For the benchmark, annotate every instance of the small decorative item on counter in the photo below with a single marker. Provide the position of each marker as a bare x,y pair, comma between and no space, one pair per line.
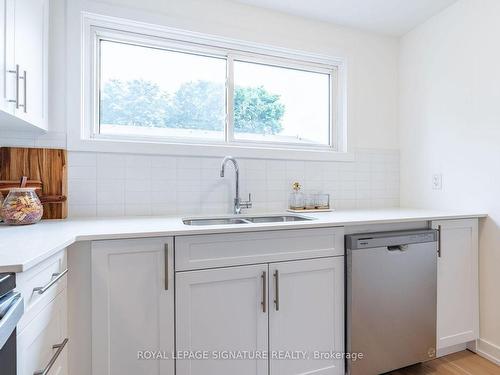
296,200
21,207
322,202
310,202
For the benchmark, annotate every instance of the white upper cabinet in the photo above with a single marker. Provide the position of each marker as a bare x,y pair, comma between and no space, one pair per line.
24,75
306,314
458,282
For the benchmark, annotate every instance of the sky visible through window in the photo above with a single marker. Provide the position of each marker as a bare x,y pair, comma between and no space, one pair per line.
183,95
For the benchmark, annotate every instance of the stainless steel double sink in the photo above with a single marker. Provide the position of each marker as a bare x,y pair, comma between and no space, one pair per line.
246,220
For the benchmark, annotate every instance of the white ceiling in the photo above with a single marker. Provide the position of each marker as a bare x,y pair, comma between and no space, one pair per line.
393,17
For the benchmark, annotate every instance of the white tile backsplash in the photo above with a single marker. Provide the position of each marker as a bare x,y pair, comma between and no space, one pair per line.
118,184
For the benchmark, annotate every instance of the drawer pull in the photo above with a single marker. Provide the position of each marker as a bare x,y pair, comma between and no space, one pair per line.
277,290
166,266
56,278
439,241
264,291
53,360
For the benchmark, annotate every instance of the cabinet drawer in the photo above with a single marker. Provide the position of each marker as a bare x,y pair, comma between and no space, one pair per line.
222,250
35,343
37,277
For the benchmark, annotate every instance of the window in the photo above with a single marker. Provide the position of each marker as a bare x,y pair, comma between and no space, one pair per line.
195,91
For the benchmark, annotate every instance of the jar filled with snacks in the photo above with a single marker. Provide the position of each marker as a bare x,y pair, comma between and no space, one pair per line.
21,207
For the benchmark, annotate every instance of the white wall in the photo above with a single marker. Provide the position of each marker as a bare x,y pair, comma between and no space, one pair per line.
372,180
450,124
371,59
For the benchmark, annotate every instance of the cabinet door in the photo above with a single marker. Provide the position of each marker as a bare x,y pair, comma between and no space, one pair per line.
222,310
7,58
31,52
458,285
132,306
35,343
307,316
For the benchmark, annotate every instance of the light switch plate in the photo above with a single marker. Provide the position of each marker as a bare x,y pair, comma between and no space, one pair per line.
437,182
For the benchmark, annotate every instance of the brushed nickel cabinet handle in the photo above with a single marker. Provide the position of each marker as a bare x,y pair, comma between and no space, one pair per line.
264,291
56,278
25,89
16,72
166,266
439,241
277,290
53,360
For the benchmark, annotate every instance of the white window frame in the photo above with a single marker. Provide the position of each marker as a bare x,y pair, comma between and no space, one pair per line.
97,28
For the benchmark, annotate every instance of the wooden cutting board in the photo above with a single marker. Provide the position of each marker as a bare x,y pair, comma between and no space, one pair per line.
46,165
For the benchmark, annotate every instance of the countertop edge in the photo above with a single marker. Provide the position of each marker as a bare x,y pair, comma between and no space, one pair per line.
80,237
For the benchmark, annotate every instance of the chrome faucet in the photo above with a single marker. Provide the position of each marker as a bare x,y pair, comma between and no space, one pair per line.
238,203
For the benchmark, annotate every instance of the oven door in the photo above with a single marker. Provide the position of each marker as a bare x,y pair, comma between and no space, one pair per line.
12,308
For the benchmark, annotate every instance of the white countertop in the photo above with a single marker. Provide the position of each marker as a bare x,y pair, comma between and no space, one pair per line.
25,246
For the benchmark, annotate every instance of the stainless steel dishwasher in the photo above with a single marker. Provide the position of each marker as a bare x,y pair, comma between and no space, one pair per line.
390,299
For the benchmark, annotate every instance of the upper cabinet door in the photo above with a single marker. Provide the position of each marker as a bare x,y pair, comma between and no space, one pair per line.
458,282
306,315
221,310
31,55
7,57
132,306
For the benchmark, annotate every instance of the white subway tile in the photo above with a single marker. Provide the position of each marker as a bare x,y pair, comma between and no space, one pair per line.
120,184
137,210
82,210
111,197
82,172
164,162
110,210
83,159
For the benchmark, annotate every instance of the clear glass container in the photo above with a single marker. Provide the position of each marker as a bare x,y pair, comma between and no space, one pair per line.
310,201
296,201
22,207
322,201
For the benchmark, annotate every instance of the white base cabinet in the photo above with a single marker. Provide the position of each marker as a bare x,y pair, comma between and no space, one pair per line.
299,305
288,312
45,339
306,316
132,306
42,333
222,311
458,282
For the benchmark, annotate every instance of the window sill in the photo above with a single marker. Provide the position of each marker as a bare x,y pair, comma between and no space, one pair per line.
200,150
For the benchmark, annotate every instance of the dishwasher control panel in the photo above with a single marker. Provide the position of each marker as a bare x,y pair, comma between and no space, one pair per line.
373,240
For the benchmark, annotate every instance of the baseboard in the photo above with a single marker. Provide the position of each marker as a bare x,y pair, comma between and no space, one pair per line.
451,349
488,350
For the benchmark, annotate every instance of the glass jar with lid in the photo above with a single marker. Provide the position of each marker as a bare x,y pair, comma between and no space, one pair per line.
22,207
296,200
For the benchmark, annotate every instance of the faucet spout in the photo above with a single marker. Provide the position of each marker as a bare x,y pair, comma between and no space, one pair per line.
238,204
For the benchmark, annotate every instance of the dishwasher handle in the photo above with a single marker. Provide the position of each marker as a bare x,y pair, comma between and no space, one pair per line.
400,248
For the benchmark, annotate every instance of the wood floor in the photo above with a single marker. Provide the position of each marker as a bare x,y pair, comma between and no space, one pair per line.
462,363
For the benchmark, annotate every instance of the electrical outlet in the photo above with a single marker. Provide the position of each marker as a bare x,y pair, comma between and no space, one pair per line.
437,182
